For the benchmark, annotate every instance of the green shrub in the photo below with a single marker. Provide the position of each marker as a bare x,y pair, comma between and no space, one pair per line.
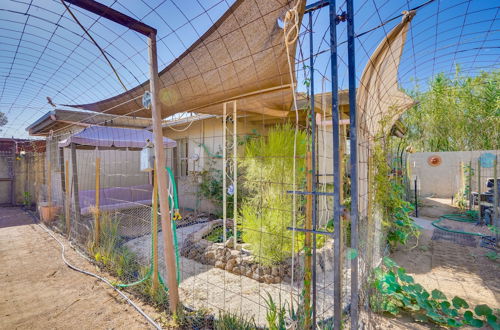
266,230
267,210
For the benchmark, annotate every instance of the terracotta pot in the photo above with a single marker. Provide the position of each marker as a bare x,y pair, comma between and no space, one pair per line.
48,213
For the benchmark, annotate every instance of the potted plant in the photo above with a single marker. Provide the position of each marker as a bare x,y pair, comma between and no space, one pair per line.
48,211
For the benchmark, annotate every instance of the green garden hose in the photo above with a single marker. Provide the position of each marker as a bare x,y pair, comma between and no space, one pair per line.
208,151
173,202
457,217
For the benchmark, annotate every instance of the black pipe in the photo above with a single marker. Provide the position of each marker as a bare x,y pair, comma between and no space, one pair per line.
354,162
337,269
314,178
416,198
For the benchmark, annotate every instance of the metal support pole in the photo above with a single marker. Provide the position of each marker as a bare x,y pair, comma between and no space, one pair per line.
337,269
307,245
354,162
160,160
416,197
313,166
470,185
224,172
235,175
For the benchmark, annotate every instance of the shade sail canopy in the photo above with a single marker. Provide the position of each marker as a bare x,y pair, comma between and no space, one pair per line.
113,137
242,56
379,103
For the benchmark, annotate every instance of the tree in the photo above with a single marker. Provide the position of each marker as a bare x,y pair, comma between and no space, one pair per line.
3,120
457,113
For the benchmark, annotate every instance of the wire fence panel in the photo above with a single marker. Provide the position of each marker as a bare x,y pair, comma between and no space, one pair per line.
268,215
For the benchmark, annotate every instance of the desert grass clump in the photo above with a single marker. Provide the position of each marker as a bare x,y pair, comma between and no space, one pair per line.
109,250
230,321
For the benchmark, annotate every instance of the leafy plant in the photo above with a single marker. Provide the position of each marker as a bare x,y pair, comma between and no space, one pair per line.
267,210
210,188
216,235
27,200
398,292
390,199
230,321
275,314
455,113
3,120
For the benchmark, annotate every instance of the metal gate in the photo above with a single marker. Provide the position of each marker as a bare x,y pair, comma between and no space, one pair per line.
6,177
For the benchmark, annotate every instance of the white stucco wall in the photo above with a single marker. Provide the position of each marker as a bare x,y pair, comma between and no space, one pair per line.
445,180
208,132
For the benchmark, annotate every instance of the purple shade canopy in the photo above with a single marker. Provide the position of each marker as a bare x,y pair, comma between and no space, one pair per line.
105,136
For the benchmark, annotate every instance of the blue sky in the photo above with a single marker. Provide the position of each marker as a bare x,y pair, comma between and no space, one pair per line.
44,53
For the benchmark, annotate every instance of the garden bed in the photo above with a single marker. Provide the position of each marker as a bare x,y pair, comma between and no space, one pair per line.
200,246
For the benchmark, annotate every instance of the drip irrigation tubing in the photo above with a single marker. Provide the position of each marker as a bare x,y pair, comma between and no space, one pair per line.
124,296
460,218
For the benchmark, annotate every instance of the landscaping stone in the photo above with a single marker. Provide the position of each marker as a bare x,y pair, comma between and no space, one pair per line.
237,259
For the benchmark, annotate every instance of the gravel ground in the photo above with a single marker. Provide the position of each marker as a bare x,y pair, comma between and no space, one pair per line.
206,287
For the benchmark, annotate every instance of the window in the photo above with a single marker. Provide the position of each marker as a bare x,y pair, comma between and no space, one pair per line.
182,156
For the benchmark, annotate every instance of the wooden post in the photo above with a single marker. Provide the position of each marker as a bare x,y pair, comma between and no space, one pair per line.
67,199
49,184
156,116
74,174
97,201
155,231
496,220
307,244
61,173
235,175
224,170
166,224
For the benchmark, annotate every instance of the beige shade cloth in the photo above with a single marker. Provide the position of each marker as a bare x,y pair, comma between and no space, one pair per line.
242,56
379,104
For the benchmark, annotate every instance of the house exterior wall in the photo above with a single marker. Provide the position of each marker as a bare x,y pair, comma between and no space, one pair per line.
204,137
446,179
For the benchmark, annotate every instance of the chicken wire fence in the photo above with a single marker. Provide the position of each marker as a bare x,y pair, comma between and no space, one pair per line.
254,180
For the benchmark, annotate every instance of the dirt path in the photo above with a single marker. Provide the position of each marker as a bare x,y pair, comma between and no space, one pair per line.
38,291
455,269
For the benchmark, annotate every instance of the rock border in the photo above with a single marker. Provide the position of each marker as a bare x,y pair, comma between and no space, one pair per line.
233,259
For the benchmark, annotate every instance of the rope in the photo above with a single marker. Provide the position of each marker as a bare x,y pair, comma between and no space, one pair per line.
96,44
182,129
291,28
